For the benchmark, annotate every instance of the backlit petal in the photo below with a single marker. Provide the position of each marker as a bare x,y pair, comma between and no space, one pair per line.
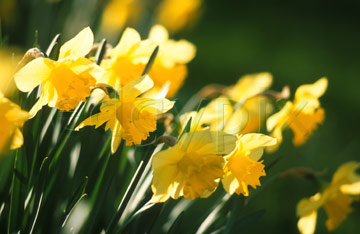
307,223
79,46
33,74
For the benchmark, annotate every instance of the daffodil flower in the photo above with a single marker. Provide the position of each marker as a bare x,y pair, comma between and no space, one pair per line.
336,199
119,13
12,118
243,168
222,115
193,167
65,82
178,14
302,116
130,117
129,58
253,107
7,71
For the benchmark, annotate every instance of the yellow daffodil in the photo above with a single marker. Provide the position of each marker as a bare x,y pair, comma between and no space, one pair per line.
193,167
253,108
302,116
214,116
178,14
336,199
129,58
243,168
65,82
244,117
119,13
7,69
130,117
12,119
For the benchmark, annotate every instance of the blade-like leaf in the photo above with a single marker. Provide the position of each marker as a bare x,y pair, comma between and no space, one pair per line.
100,52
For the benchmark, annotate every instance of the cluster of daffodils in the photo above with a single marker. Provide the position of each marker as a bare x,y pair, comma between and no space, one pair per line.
221,143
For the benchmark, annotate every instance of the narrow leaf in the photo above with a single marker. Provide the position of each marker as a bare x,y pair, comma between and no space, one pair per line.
151,61
100,52
53,44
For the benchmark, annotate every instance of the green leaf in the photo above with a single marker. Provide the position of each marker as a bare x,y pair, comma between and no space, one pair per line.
39,192
100,52
131,188
248,220
80,191
176,224
17,194
53,49
1,40
151,61
108,170
186,128
36,35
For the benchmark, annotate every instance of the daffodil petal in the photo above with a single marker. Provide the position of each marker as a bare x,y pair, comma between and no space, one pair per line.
129,38
158,34
17,140
135,88
116,137
255,144
337,210
307,224
33,74
79,46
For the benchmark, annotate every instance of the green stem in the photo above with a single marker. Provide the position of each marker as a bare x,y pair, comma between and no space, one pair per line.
130,190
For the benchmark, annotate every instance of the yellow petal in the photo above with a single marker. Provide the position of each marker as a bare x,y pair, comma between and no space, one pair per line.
166,184
83,66
307,223
202,174
237,121
176,52
250,85
277,134
79,46
116,137
154,106
16,115
246,171
167,181
46,96
97,120
128,40
158,34
33,74
308,205
254,144
279,118
17,140
346,174
351,189
135,88
175,75
206,142
312,91
303,125
337,210
230,183
137,124
257,109
216,113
